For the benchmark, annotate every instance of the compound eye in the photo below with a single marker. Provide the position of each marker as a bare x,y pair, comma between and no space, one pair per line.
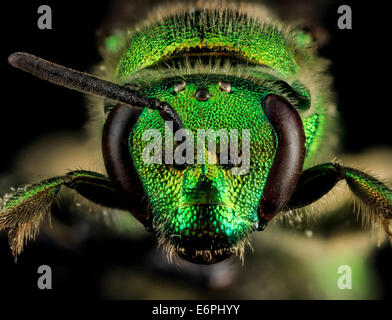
179,86
225,86
119,163
289,158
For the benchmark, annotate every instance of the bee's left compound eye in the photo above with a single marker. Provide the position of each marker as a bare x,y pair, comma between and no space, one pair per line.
289,157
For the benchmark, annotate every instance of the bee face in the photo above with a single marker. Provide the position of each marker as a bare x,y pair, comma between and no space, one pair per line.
204,210
214,80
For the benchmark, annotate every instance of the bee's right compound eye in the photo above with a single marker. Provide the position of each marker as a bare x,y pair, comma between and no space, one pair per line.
119,163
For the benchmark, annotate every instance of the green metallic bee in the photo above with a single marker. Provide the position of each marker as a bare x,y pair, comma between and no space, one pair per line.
203,66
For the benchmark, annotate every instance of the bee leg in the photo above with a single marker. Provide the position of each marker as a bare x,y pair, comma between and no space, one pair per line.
319,180
95,187
22,211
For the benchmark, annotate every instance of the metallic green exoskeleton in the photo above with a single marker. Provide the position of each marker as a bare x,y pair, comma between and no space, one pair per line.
203,67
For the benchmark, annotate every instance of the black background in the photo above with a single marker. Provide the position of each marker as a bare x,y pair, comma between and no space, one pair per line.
31,108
